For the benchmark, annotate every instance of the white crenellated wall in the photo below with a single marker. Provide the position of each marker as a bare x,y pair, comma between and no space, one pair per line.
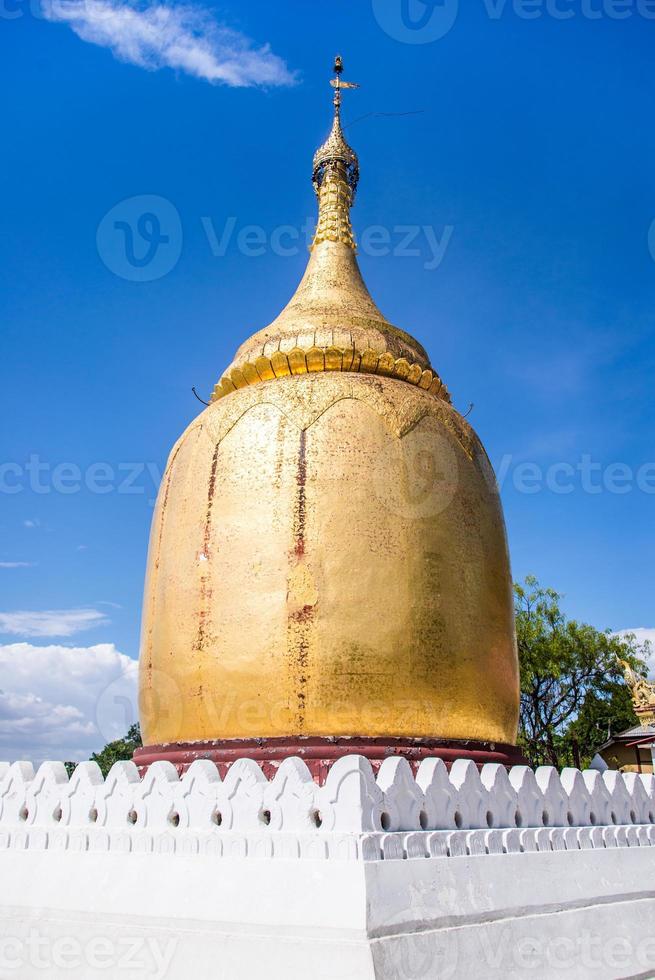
355,814
462,874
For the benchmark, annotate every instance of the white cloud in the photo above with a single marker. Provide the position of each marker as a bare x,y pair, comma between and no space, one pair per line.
51,622
17,564
32,522
182,37
60,702
644,634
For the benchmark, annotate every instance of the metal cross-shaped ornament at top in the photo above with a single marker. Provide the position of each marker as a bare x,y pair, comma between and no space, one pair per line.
337,84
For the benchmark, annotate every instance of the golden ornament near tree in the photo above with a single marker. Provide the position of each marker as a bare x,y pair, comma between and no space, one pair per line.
643,694
328,559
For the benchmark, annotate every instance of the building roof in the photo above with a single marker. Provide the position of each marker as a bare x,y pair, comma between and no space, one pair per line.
644,734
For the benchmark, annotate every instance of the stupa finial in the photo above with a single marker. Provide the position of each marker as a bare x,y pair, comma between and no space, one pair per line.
336,174
331,309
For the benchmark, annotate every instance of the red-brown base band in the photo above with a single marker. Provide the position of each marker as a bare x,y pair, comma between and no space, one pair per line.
321,753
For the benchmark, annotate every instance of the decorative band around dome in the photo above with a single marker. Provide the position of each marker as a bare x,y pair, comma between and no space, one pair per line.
322,359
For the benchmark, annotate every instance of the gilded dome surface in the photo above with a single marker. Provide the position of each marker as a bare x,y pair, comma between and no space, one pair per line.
329,558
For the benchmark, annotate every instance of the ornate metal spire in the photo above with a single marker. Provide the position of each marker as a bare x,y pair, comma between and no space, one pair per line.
335,175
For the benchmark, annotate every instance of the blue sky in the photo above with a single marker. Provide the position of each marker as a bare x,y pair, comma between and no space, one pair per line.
525,147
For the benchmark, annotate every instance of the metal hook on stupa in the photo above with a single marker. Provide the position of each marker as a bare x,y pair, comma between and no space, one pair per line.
193,389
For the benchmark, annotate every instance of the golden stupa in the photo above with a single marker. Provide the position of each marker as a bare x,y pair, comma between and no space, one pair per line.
328,555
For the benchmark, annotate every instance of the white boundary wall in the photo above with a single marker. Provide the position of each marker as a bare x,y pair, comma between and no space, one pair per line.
462,874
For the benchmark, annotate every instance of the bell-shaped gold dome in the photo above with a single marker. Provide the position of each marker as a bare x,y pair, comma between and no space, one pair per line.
328,554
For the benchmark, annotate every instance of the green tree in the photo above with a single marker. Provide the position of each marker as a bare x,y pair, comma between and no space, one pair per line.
120,750
600,717
572,687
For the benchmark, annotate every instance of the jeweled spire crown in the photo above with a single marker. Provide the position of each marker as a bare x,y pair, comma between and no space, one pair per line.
335,175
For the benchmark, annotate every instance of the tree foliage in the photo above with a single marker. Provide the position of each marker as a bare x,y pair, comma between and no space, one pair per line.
120,750
572,689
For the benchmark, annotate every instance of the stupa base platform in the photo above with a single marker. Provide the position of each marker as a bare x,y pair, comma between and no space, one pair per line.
71,915
319,754
447,874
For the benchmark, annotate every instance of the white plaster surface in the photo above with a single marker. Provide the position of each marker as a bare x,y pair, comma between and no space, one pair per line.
438,875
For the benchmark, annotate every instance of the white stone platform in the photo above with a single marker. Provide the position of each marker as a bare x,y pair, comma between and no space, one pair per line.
462,874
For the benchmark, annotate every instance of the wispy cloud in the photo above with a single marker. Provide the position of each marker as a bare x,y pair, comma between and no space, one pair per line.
17,564
51,622
644,634
32,522
186,38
